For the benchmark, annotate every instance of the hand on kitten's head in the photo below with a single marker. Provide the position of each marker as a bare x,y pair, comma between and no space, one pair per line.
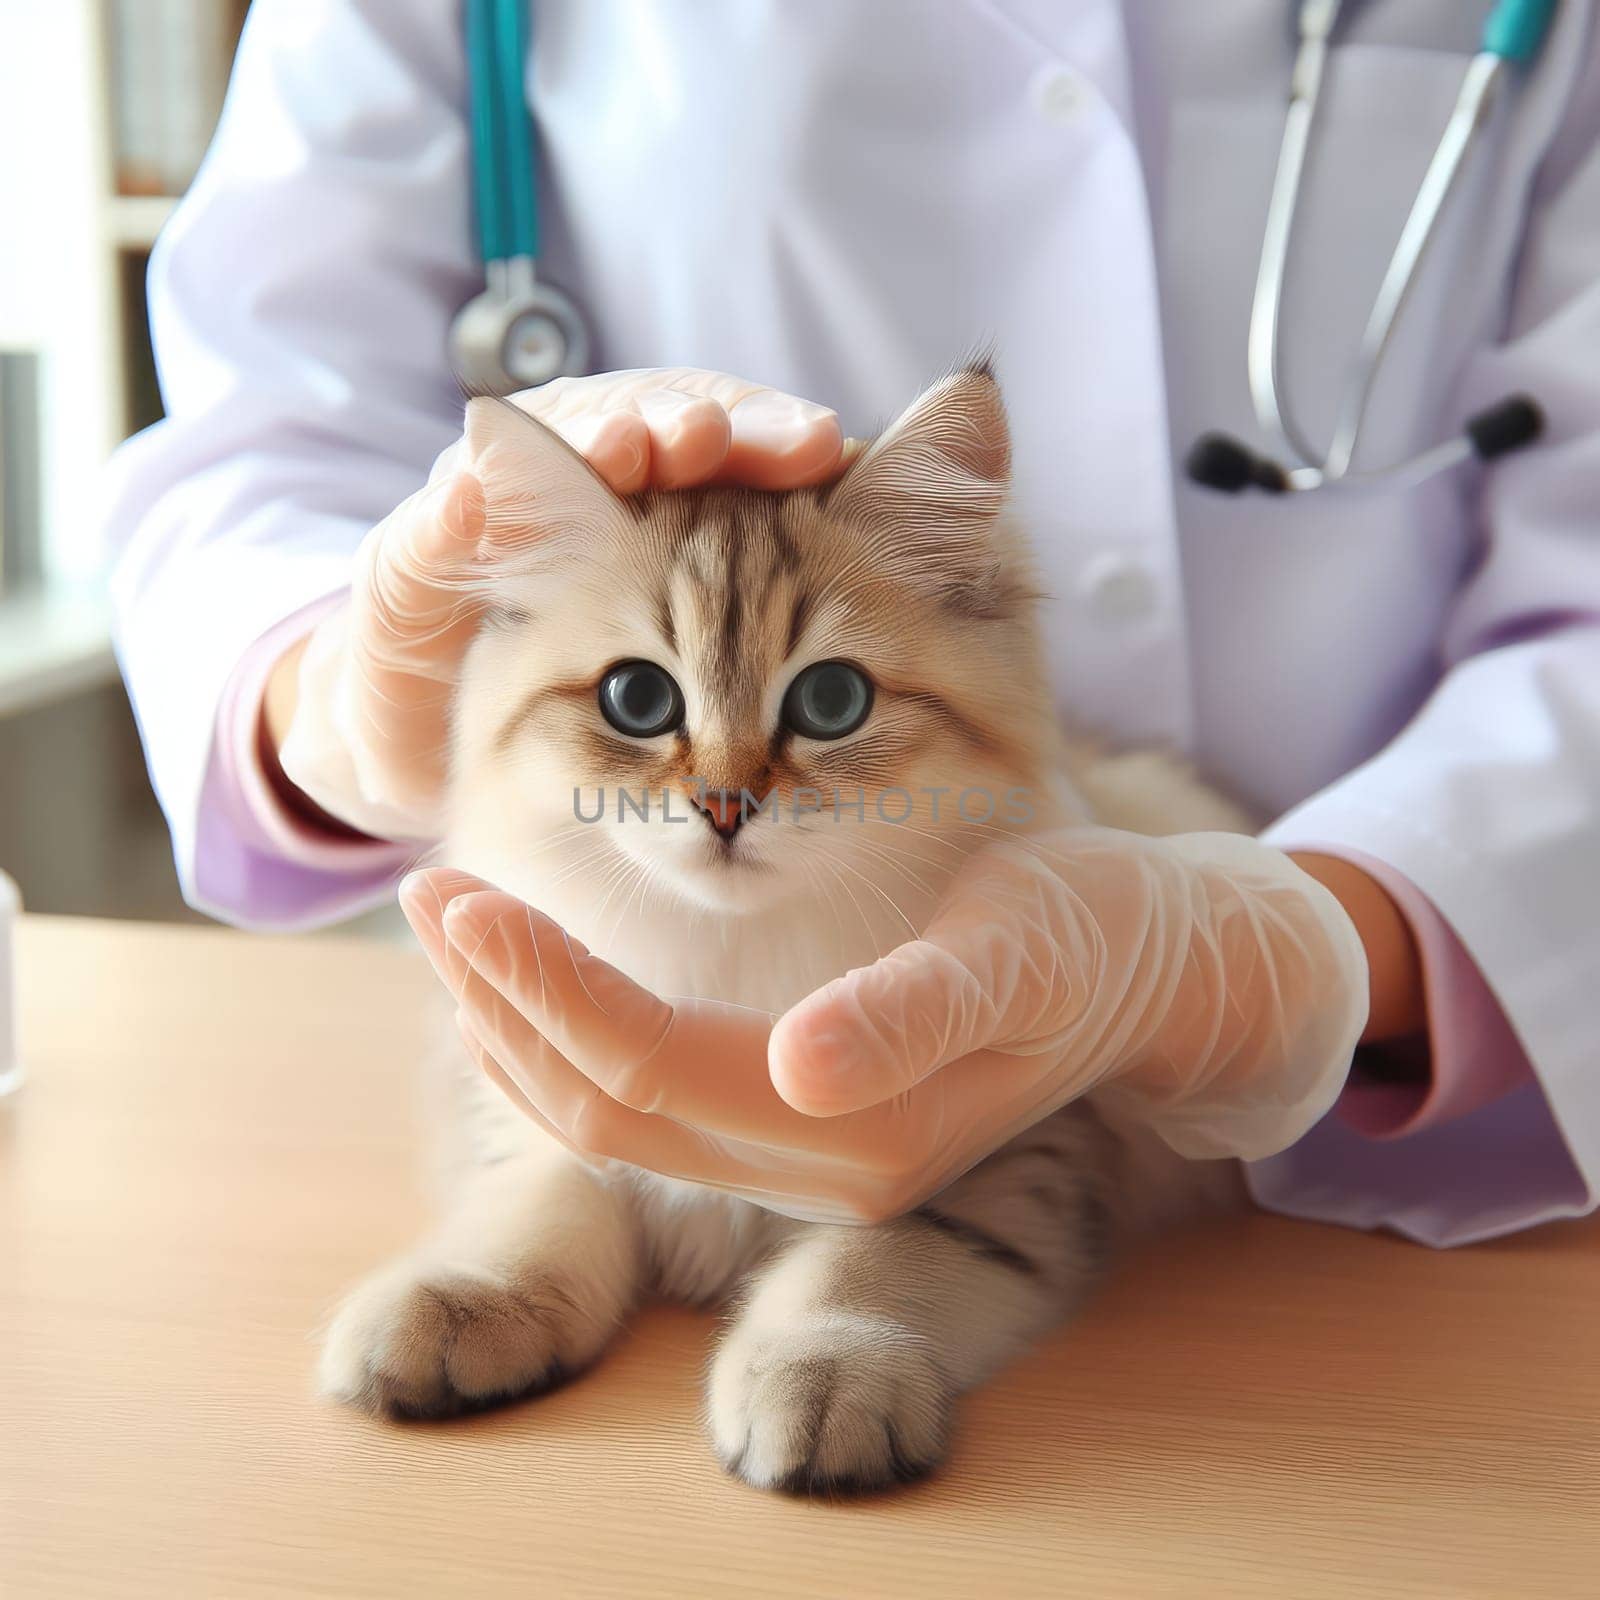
676,427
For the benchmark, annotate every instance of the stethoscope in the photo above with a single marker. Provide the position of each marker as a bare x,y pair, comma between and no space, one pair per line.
519,332
1512,34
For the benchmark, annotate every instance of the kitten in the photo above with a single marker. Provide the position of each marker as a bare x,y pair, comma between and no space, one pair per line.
873,638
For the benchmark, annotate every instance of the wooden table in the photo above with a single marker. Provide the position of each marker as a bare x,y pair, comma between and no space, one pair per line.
217,1135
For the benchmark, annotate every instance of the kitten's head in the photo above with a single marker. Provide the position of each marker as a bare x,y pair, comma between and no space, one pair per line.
797,689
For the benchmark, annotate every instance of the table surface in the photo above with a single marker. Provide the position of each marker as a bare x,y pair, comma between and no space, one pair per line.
218,1133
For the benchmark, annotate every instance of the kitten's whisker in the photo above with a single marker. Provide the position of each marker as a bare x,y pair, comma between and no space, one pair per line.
883,895
826,899
940,839
882,850
879,857
866,922
975,828
621,873
646,881
599,845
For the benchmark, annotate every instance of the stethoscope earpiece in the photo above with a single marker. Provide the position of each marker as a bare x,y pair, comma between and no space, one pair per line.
1516,421
1219,461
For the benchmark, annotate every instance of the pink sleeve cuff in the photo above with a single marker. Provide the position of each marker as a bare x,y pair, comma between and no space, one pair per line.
1471,1055
238,783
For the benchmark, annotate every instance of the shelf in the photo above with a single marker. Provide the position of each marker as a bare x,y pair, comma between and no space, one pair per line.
133,221
54,642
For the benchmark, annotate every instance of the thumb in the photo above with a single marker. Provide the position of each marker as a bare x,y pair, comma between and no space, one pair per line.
415,559
1009,964
880,1030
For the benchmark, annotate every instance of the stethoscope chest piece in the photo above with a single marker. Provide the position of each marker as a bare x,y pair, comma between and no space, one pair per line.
520,331
517,334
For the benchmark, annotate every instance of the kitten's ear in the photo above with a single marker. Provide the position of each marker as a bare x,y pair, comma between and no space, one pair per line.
933,484
535,485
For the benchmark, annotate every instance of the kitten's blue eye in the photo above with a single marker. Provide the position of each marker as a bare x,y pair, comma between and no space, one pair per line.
641,700
828,701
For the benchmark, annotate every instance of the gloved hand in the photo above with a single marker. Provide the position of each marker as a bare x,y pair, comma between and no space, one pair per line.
366,736
1204,982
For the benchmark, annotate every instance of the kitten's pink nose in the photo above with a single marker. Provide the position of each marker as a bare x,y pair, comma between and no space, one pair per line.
722,808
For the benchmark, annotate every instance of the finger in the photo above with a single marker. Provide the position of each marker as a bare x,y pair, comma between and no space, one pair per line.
428,537
704,1065
408,598
515,1089
423,897
543,1085
405,631
615,442
689,437
604,391
779,442
776,440
480,1053
589,1011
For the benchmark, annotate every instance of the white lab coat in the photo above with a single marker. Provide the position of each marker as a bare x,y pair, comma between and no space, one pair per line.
841,199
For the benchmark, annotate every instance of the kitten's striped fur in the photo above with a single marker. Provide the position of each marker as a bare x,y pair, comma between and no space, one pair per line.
846,1348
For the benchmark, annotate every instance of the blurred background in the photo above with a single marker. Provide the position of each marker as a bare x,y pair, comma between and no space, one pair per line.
106,108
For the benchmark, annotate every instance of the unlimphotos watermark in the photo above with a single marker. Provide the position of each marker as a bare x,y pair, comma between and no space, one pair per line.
892,805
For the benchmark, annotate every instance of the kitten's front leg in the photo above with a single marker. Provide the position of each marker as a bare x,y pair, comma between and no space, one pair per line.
523,1285
841,1369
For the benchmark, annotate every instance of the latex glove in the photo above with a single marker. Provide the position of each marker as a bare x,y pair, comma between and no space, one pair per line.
367,737
1204,982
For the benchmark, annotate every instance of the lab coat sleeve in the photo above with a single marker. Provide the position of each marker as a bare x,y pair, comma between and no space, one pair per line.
1469,1056
299,872
1489,801
300,300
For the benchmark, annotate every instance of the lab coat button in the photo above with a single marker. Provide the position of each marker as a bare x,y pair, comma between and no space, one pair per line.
1119,588
1060,95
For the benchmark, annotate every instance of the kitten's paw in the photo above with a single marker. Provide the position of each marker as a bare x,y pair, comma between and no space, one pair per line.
834,1404
437,1341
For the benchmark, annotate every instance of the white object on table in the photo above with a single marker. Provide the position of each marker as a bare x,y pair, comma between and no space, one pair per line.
10,1066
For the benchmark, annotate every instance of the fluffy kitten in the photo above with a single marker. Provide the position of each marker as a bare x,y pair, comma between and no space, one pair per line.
847,1347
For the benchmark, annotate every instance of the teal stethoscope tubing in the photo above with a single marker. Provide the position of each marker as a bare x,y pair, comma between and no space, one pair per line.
521,331
502,130
1513,32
